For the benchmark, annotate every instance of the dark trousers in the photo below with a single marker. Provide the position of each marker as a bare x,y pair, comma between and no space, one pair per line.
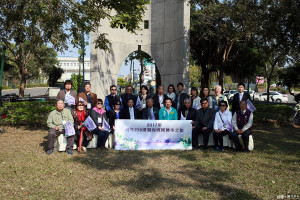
218,138
102,137
52,134
234,136
85,142
195,133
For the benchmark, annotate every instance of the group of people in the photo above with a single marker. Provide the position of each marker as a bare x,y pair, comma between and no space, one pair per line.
209,114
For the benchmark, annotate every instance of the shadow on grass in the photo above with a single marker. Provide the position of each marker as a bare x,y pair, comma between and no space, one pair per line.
146,179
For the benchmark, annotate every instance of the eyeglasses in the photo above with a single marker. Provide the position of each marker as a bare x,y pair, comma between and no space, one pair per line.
100,103
222,105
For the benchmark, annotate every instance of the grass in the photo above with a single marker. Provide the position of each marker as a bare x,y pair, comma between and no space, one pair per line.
272,169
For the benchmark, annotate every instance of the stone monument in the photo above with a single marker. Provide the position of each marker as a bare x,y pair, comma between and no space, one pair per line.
164,36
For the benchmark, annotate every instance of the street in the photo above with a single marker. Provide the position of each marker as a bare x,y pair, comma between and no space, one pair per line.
28,91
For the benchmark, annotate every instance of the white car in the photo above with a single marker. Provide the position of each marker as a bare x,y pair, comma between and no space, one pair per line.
253,95
275,97
231,94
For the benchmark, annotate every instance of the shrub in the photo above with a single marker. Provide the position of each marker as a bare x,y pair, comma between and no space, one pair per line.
297,98
281,113
29,113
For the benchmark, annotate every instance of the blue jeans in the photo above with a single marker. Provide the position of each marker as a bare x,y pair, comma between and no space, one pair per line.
102,137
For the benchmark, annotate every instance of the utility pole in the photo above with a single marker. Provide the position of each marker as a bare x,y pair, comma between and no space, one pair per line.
1,72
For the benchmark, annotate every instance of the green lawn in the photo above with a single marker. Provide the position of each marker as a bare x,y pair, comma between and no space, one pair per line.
272,169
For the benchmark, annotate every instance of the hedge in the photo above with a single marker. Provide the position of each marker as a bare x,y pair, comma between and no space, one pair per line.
29,113
35,113
280,113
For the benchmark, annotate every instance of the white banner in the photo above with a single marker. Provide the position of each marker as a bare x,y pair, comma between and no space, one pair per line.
153,134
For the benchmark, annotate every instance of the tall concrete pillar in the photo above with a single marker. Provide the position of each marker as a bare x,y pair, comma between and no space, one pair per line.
166,41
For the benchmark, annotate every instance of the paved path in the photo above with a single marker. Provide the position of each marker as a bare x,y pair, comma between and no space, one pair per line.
32,91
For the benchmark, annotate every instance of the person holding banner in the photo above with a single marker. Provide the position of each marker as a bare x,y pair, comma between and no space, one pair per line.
56,120
79,116
204,124
222,125
242,121
159,97
217,98
99,117
110,99
127,96
187,112
238,97
204,93
168,112
67,95
195,98
89,98
150,112
141,102
130,112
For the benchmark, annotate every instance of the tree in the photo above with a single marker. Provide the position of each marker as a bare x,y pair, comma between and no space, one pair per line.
143,57
290,76
278,34
31,24
54,74
216,29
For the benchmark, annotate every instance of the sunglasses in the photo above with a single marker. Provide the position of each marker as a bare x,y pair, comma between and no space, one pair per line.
118,104
80,105
223,105
100,103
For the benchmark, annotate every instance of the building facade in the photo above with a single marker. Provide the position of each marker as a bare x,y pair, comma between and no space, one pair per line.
71,65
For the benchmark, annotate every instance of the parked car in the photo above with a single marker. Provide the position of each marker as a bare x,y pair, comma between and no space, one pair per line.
226,93
253,95
231,94
274,97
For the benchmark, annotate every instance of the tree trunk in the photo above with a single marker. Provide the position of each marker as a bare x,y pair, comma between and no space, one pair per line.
220,77
205,77
22,85
142,71
130,78
269,82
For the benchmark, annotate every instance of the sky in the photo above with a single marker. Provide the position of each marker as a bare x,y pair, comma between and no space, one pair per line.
73,52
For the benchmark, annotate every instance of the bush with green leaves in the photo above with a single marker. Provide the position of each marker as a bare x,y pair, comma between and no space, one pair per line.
77,80
28,113
282,114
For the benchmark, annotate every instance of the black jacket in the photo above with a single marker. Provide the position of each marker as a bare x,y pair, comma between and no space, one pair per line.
205,119
156,100
112,116
111,101
125,98
236,101
183,96
191,114
95,115
145,113
126,115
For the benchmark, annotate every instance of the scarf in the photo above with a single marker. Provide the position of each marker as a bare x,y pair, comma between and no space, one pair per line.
81,116
99,111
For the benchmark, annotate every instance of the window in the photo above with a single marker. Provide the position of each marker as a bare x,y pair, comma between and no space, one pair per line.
146,24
